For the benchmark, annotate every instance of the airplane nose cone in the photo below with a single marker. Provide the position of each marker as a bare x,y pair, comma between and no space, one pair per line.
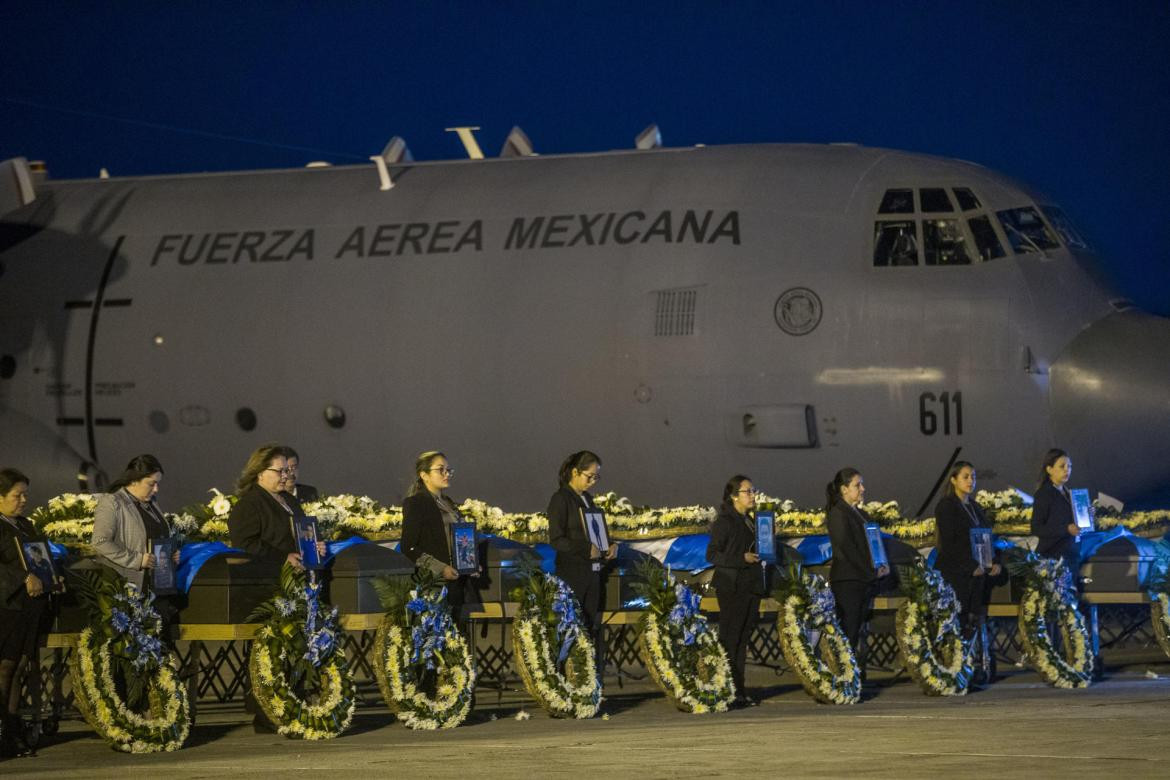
1110,393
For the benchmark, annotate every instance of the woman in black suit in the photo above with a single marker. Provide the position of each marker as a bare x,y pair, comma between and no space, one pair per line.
579,561
852,575
1052,515
739,578
427,516
24,610
259,523
956,514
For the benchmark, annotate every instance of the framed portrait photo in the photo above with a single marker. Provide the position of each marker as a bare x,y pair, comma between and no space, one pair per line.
766,536
304,531
464,551
595,527
877,548
981,547
37,561
162,578
1082,508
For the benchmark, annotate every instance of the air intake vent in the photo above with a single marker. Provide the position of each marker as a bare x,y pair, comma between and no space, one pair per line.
675,313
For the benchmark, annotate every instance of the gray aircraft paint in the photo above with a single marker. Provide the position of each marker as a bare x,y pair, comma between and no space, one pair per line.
504,329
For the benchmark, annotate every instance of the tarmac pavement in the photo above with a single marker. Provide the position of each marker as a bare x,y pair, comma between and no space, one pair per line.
1018,727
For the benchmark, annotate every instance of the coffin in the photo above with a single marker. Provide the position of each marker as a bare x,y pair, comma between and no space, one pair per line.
228,586
350,583
619,577
501,561
1120,565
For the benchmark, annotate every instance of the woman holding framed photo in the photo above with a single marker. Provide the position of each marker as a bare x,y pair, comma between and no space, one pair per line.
578,533
965,556
261,521
432,526
855,570
739,578
24,608
1053,522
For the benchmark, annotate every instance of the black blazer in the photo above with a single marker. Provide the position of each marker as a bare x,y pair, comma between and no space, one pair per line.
732,535
259,525
306,494
1052,514
566,531
953,541
13,593
851,559
423,530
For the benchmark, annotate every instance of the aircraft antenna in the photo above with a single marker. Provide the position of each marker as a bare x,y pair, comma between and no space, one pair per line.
517,145
396,151
650,138
469,143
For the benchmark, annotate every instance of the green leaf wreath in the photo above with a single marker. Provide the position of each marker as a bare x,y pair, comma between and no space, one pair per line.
299,674
1157,584
553,652
811,639
125,681
929,635
1048,590
425,669
680,651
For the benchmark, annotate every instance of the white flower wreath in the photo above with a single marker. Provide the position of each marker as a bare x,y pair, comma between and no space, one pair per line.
563,681
297,649
1048,589
417,636
680,651
928,633
826,666
1160,620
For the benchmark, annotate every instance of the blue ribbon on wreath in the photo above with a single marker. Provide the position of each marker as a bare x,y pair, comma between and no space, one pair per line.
428,636
568,626
685,616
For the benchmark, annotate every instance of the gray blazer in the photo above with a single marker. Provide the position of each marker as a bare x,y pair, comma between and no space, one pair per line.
119,535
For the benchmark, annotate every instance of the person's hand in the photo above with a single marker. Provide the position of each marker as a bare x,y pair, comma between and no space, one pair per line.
294,560
175,557
995,570
611,553
33,585
883,570
978,571
321,550
449,573
147,561
594,553
1074,529
751,557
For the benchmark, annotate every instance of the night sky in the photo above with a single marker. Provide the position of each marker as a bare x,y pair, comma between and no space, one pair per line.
1070,97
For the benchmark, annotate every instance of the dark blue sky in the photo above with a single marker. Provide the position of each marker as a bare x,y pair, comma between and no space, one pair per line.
1071,97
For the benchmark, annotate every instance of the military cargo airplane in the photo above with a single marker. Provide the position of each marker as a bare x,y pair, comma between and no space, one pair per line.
689,313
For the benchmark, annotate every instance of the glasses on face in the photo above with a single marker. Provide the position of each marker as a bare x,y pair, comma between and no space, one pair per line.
281,472
590,477
445,471
750,491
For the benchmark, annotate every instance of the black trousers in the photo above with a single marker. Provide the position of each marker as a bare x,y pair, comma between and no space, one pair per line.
737,617
853,599
589,588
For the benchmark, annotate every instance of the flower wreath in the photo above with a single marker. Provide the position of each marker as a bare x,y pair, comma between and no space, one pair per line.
928,633
154,713
299,676
554,656
1158,586
679,649
1048,588
826,666
425,671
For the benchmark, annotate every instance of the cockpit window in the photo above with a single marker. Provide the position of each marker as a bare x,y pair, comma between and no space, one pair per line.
897,202
945,243
895,243
1064,227
966,198
1026,231
986,241
935,200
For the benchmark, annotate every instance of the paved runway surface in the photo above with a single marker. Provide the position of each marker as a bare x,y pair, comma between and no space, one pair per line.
1018,727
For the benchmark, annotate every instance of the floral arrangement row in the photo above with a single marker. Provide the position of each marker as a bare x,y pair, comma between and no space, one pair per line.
68,518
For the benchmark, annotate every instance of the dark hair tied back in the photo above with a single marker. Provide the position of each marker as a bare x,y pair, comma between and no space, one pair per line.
10,478
578,461
732,487
1050,459
833,489
138,468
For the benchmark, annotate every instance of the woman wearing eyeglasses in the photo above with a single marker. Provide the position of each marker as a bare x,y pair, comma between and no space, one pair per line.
739,578
259,522
571,513
852,575
427,516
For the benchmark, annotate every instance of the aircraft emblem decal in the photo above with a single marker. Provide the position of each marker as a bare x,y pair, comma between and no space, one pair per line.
798,311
